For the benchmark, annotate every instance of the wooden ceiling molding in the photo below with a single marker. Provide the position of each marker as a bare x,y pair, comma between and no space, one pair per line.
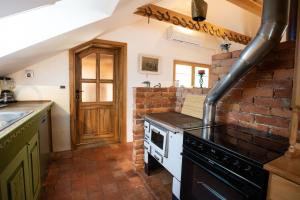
254,6
178,19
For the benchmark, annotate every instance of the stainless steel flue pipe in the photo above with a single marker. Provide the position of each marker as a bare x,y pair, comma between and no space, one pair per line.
274,23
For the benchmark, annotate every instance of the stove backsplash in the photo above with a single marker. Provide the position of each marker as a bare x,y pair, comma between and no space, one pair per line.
260,100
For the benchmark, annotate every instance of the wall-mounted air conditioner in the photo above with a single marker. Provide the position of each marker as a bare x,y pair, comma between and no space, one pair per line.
177,36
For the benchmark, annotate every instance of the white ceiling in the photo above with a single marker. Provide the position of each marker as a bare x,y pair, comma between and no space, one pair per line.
122,16
10,7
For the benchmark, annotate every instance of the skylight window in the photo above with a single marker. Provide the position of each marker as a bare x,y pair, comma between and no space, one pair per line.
34,26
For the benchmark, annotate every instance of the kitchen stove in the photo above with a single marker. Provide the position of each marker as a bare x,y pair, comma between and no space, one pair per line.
228,164
163,143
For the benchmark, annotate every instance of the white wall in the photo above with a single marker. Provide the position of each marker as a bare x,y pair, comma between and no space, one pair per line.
142,38
49,75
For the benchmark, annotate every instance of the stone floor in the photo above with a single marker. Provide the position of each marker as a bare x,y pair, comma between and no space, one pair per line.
103,173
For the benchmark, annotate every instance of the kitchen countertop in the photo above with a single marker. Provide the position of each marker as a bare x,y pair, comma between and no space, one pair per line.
175,120
288,168
34,106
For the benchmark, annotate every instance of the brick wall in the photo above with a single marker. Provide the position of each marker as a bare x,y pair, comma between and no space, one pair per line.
260,100
148,100
182,92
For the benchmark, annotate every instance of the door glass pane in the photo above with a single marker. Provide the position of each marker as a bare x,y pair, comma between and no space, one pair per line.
106,66
184,75
88,92
205,77
106,92
88,67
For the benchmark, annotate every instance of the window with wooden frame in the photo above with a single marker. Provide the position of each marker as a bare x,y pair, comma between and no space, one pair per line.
187,74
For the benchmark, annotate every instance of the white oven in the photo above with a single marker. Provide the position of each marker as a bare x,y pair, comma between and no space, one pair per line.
159,142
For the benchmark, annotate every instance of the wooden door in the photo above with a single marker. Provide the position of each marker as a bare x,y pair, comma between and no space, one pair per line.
96,94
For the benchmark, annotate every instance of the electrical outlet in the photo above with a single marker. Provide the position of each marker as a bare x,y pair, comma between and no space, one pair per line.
29,74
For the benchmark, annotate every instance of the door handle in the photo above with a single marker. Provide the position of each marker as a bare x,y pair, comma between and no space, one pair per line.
79,91
212,191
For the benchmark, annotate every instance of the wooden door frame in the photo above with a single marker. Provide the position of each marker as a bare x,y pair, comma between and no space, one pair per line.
122,86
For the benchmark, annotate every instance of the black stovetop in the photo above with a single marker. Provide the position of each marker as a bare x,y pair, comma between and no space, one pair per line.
258,146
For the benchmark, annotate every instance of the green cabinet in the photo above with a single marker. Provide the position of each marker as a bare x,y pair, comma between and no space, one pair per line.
15,178
20,163
34,166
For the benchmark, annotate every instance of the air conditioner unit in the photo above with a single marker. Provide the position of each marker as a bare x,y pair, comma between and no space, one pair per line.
177,36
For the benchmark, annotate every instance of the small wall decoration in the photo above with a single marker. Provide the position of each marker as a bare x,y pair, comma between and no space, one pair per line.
149,64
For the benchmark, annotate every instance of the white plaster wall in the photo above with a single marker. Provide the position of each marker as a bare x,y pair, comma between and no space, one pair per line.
151,40
142,38
49,75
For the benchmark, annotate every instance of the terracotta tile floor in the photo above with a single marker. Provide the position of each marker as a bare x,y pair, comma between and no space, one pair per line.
103,173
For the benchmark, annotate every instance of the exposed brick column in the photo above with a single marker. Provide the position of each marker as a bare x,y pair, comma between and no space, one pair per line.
148,100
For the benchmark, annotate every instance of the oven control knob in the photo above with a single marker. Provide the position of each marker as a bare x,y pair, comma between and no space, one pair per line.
225,159
194,144
200,147
248,168
187,141
236,163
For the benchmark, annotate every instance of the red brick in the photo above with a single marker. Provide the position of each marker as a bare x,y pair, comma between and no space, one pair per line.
143,89
241,116
269,101
280,131
236,54
284,74
259,127
273,121
228,106
222,69
250,108
222,63
261,92
275,83
222,56
281,112
283,93
255,75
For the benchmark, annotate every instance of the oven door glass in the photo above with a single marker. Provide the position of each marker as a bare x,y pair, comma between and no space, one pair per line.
157,138
198,183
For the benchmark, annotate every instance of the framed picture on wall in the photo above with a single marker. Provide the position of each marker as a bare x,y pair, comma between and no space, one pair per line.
149,64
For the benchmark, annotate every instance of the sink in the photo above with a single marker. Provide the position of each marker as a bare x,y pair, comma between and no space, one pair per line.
8,118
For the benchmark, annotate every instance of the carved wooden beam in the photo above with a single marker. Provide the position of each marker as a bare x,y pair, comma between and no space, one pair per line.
166,15
254,6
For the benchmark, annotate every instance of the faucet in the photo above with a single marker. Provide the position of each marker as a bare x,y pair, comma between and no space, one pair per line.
147,83
157,86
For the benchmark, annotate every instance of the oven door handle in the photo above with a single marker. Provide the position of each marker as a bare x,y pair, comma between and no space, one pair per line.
214,192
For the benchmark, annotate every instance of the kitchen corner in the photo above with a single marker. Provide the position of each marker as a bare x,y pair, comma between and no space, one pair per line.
25,147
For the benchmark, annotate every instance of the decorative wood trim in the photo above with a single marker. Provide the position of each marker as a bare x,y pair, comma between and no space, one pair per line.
169,16
293,152
253,6
123,85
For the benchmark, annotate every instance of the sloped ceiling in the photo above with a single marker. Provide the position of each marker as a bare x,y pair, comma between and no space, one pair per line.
122,15
11,7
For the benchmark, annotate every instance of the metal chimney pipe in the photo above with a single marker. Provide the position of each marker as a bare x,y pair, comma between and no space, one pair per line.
274,22
291,33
